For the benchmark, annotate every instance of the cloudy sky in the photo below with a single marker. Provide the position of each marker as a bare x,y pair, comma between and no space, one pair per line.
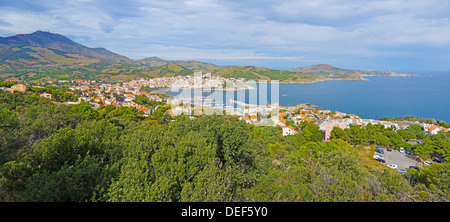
383,35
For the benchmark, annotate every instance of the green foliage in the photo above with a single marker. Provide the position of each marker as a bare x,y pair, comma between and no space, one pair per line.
431,145
407,134
276,74
142,100
240,74
74,153
415,128
339,133
6,84
58,94
71,183
310,132
410,119
212,184
387,137
436,177
67,159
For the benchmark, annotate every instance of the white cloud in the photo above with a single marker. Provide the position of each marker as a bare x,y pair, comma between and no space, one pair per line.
18,22
342,9
216,29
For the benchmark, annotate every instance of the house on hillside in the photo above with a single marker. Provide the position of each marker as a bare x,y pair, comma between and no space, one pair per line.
6,89
289,130
433,129
129,97
327,127
46,95
19,87
145,110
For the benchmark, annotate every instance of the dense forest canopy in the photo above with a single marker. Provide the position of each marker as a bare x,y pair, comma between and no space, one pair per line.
74,153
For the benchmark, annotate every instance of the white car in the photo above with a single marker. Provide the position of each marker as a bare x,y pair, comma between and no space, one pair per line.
377,156
428,163
401,171
393,166
401,150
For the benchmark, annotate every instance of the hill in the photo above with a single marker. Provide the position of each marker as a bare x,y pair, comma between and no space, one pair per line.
189,64
283,76
168,70
332,70
57,43
42,56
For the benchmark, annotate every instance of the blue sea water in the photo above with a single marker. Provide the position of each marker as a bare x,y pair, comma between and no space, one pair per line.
423,96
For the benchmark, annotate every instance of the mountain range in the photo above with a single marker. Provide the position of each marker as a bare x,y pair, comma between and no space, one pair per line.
42,56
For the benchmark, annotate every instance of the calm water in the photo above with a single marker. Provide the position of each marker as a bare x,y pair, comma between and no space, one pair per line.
424,96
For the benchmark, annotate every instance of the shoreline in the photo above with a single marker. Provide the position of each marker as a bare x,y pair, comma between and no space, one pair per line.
361,79
249,87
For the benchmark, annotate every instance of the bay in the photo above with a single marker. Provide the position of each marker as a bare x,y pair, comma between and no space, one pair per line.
423,96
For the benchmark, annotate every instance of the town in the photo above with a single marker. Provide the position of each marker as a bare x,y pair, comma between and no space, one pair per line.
132,93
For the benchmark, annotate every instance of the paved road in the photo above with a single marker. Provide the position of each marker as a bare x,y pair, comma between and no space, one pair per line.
403,160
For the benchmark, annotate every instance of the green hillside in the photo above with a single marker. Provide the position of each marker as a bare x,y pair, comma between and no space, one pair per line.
170,70
42,56
189,64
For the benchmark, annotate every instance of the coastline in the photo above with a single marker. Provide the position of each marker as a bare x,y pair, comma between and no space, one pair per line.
323,80
349,79
246,86
208,89
205,89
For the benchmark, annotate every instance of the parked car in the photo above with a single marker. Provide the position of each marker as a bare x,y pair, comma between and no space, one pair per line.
414,167
379,150
381,160
440,160
401,150
428,163
401,171
389,149
379,157
393,166
408,152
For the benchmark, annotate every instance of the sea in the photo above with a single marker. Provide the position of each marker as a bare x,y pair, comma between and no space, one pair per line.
424,96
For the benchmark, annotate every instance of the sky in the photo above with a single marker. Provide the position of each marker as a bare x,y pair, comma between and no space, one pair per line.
381,35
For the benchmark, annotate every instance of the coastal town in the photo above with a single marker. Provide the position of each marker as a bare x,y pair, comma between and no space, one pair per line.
125,94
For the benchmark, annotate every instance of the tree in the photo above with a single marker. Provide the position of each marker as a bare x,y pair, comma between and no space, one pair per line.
63,159
73,153
175,166
71,183
406,134
383,140
416,128
212,184
311,132
339,133
357,135
436,177
85,109
338,178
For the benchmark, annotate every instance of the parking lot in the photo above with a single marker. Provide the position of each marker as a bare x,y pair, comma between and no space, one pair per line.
402,160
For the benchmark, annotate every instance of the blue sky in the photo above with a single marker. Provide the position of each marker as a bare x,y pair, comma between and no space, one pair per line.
383,35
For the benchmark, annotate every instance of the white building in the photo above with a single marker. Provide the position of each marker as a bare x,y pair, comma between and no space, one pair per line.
433,129
327,127
289,130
